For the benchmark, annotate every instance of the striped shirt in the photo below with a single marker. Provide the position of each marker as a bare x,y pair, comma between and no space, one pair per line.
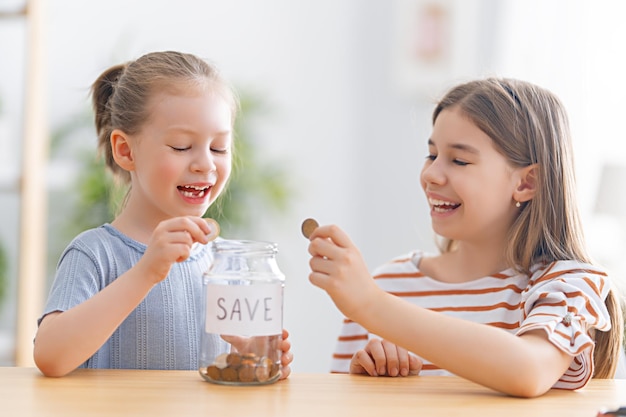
563,298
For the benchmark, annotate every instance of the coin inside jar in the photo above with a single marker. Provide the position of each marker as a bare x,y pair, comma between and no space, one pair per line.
308,226
242,369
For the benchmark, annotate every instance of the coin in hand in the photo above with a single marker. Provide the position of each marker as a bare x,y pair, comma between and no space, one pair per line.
214,228
308,226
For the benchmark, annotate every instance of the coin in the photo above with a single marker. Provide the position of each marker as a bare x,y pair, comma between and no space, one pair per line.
214,373
247,373
308,226
214,228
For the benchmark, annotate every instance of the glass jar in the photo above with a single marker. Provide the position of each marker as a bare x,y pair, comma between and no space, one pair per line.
243,309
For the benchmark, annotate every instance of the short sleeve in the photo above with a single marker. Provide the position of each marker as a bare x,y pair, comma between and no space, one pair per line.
77,279
566,300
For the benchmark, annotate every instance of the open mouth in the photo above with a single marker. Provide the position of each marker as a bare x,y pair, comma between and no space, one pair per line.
440,206
192,191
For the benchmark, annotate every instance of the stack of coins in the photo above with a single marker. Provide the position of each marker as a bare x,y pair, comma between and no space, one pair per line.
246,368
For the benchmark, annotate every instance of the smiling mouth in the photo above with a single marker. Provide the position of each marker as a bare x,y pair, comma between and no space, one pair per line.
191,191
441,206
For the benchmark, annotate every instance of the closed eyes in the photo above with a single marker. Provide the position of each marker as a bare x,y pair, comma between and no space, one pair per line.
458,162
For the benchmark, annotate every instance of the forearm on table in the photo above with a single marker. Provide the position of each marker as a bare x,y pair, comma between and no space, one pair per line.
65,340
524,366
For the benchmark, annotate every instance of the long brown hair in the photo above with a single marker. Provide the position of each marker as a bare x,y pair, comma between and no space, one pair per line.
529,125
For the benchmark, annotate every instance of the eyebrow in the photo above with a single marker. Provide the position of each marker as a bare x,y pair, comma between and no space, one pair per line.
191,130
459,146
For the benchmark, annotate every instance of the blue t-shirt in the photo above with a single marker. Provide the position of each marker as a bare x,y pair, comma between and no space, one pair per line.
164,331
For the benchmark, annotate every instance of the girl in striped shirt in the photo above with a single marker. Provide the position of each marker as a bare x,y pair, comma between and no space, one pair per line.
512,301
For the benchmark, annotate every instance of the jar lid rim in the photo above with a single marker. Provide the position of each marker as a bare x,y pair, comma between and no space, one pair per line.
243,245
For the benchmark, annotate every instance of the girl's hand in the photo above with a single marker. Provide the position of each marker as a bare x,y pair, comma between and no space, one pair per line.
383,358
171,242
287,356
338,268
260,344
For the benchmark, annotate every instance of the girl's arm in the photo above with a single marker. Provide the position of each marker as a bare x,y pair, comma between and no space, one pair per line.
66,339
526,365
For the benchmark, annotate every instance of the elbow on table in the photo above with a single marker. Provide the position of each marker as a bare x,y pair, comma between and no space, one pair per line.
48,366
529,384
52,370
528,390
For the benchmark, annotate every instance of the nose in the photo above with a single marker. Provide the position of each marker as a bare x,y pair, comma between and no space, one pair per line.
433,173
203,160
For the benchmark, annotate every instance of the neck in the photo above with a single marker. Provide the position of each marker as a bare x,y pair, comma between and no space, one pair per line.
479,260
465,263
135,222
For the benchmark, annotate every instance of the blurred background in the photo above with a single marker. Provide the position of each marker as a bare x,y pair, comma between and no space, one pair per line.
337,101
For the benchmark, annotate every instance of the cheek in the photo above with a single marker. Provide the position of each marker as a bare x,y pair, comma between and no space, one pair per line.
224,169
157,166
166,168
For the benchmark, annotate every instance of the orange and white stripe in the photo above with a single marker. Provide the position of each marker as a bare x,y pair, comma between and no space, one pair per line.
564,298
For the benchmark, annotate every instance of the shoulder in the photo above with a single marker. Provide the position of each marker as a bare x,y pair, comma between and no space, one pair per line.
571,272
568,280
104,237
100,245
402,264
566,268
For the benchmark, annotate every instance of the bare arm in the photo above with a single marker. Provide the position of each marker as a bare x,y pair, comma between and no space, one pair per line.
525,366
64,340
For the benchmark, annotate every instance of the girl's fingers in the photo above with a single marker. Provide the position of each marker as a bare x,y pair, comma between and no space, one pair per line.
415,365
324,248
214,229
362,363
285,371
377,351
391,357
332,233
197,229
319,280
321,265
403,361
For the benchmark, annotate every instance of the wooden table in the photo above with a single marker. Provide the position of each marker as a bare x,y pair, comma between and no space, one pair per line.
24,392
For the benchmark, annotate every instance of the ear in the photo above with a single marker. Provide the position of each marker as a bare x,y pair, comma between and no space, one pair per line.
121,150
527,186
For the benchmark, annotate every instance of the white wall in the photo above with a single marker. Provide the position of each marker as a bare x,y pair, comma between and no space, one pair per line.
354,140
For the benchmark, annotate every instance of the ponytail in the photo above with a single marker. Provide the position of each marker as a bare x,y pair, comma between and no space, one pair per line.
101,92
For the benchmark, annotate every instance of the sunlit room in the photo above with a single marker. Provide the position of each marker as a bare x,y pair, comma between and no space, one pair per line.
336,101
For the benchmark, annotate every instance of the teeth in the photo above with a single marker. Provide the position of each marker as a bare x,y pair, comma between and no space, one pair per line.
195,194
190,194
434,202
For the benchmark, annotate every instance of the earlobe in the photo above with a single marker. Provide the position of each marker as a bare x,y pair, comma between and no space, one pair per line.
527,187
121,150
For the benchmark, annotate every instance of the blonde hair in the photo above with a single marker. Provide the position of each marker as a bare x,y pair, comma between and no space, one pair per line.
120,95
529,125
